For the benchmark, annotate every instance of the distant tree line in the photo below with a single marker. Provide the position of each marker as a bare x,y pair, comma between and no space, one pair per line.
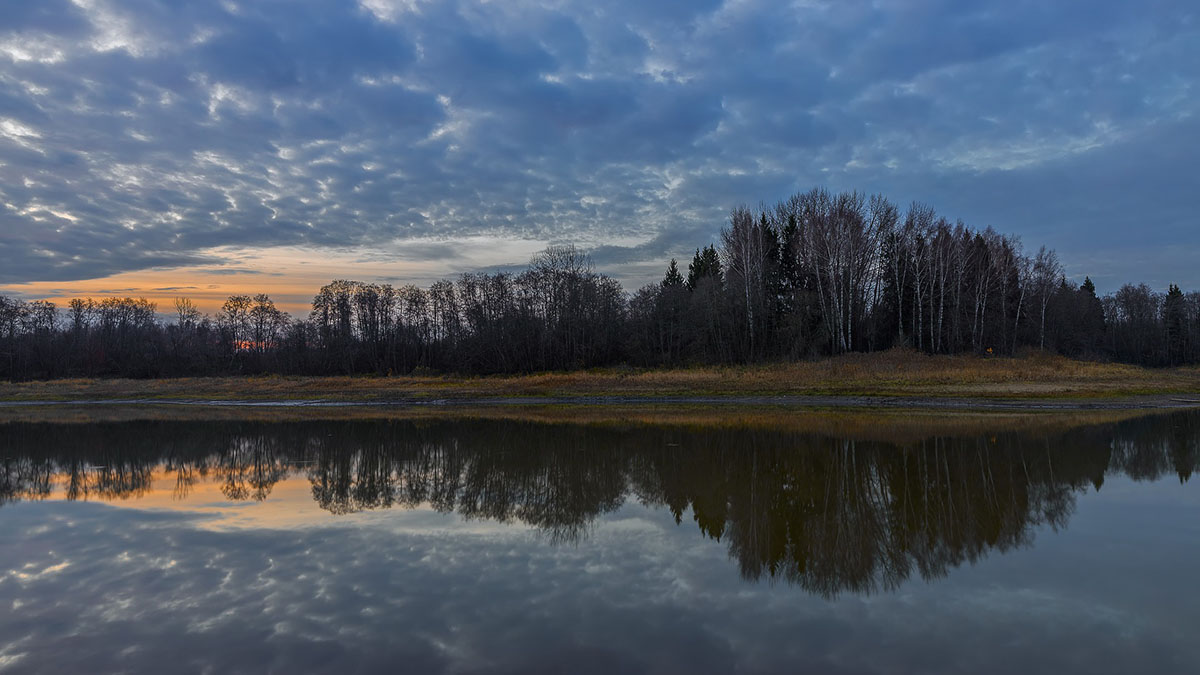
816,274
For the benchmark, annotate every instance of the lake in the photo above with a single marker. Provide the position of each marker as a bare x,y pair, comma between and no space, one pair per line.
514,546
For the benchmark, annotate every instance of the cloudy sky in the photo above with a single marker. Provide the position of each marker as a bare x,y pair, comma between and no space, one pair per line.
161,148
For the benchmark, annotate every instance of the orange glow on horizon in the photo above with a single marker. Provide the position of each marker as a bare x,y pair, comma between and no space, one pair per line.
291,276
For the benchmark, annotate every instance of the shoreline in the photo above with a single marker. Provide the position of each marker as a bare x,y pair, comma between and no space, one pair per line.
863,423
864,403
891,380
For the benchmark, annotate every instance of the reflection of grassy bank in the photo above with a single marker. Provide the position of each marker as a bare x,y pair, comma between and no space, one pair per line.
859,424
891,373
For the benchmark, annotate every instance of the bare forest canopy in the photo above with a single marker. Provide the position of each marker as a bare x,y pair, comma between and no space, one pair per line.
817,274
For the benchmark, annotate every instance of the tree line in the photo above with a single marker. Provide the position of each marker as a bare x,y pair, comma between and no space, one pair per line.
817,274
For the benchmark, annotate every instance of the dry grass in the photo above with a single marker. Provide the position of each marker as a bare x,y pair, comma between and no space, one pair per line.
892,373
880,425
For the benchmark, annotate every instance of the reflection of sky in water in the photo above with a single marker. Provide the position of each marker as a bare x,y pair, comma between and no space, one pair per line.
99,587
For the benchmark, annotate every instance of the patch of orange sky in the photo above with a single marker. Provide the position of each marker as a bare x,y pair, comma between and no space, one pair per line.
290,275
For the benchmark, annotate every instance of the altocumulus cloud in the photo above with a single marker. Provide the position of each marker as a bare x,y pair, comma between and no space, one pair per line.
139,134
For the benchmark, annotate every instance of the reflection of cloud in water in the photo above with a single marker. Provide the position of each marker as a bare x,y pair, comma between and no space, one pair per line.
831,515
364,546
136,590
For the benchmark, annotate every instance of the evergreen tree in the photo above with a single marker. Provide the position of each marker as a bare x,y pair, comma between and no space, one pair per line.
1091,327
1174,321
774,285
673,278
669,310
789,266
705,265
695,271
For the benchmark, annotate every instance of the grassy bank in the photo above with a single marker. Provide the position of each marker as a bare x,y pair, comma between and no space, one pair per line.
858,424
891,373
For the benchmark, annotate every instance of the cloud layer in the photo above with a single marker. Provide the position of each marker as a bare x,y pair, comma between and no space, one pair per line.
144,134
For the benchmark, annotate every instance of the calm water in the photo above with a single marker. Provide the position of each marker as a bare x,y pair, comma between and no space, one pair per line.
517,547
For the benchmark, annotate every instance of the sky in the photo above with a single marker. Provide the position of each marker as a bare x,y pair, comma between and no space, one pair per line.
154,148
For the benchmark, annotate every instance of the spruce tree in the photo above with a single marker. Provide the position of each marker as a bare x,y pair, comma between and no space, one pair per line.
1090,329
1174,319
673,279
695,271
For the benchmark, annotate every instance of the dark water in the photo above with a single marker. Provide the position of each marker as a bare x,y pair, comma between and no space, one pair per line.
518,547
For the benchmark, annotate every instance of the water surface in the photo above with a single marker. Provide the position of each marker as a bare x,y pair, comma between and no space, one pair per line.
501,546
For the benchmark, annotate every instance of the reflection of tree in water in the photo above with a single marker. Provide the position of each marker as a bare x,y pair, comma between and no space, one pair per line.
839,515
831,515
25,477
1150,448
89,467
555,478
250,466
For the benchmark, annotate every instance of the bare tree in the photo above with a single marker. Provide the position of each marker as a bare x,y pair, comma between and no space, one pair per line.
744,252
1046,273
